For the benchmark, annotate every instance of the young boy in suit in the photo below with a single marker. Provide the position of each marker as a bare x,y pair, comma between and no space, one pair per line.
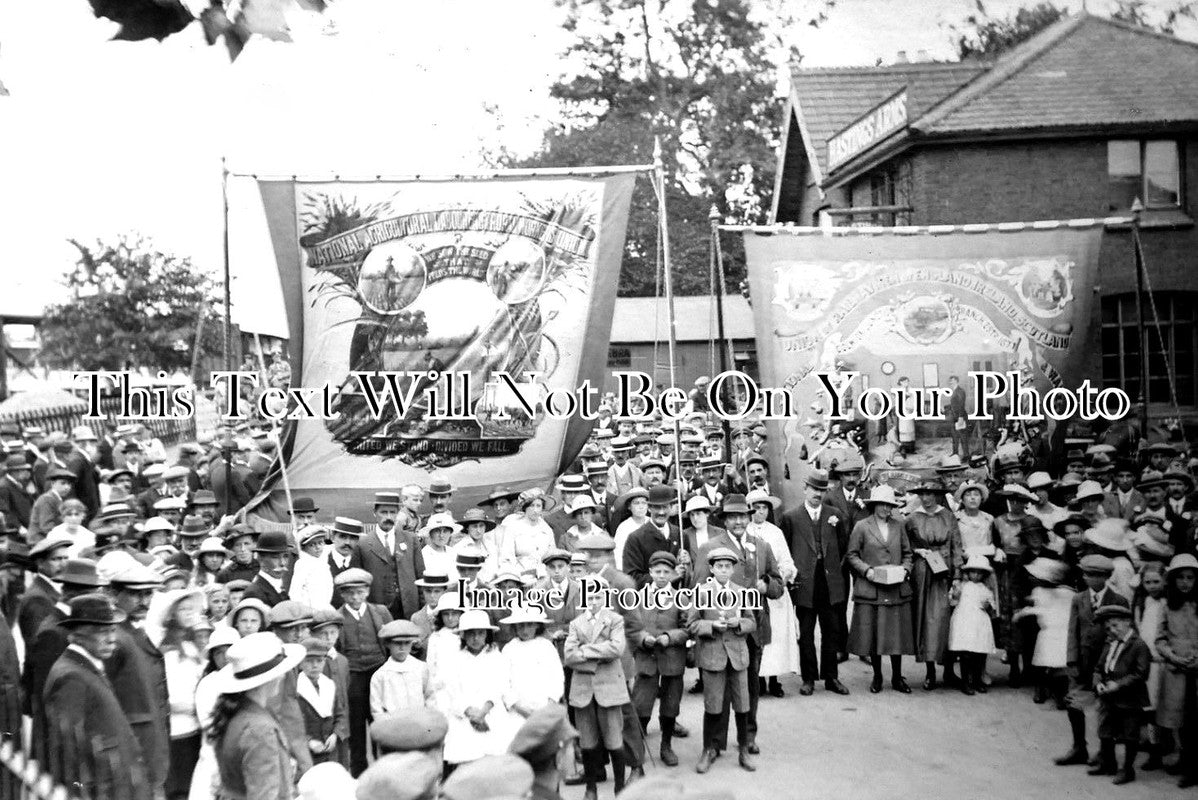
719,623
361,623
1121,683
660,638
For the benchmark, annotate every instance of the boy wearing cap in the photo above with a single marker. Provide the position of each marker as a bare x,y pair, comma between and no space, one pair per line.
45,513
323,706
1120,681
360,643
403,680
720,625
1085,643
660,636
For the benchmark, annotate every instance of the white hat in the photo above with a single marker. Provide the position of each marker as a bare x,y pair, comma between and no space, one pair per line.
450,601
212,544
1087,490
697,503
475,620
157,524
762,496
1183,561
525,614
441,520
222,636
1049,570
258,659
1040,480
1109,534
978,562
325,781
583,501
883,494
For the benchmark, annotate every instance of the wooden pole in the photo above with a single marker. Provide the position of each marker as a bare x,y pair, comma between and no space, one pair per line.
224,193
1141,322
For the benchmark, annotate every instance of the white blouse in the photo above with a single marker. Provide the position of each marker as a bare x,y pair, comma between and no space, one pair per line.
311,581
535,676
523,543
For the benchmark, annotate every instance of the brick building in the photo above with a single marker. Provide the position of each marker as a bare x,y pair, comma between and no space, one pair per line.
1076,122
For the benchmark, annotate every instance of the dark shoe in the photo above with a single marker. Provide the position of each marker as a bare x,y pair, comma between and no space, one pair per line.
752,747
900,685
1078,755
1101,768
1124,776
1187,781
1152,763
705,760
836,686
875,685
929,684
1041,695
951,680
667,756
635,774
577,779
698,687
775,688
591,793
681,731
761,689
807,689
746,763
967,690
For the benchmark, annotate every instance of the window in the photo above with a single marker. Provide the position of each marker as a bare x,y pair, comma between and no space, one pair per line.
1121,350
1149,170
619,358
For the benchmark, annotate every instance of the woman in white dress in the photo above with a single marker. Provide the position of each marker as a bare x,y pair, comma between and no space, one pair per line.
439,557
311,580
206,776
474,692
526,536
781,655
170,626
479,536
443,643
535,675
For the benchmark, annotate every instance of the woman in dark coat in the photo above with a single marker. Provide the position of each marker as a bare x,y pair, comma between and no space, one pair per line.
936,541
252,752
880,555
1177,645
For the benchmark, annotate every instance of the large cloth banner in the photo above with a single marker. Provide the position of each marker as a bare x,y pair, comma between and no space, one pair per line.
438,281
910,311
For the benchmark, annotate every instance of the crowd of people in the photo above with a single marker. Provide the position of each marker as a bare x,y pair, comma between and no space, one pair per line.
163,646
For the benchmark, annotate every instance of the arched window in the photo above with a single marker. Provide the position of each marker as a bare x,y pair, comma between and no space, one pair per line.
1121,351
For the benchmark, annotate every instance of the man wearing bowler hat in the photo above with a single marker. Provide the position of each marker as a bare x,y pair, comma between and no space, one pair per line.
392,558
756,568
84,707
273,552
303,511
660,533
814,532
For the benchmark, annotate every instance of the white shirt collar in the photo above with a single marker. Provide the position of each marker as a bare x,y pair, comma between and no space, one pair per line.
95,662
340,560
277,585
356,614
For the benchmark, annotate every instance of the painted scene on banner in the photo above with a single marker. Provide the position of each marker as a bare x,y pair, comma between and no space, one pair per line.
915,313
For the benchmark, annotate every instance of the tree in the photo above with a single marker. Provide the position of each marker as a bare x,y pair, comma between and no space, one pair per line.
701,76
132,306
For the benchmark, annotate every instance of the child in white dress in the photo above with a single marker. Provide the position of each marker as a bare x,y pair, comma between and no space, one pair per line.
535,674
971,633
1050,603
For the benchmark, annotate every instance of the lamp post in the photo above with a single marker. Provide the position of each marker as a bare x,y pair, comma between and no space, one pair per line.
1137,208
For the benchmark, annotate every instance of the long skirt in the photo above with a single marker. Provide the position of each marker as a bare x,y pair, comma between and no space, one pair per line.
206,778
932,612
781,655
1007,635
881,630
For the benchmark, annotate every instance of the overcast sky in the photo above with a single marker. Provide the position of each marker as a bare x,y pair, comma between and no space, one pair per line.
100,137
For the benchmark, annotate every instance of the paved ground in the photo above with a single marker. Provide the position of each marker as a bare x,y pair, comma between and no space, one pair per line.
923,745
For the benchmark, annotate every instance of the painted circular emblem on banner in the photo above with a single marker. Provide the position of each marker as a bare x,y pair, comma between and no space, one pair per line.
925,320
516,271
1045,289
392,277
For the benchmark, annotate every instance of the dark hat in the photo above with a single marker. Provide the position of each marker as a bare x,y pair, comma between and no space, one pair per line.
81,572
1115,606
735,504
58,473
1178,474
555,554
237,585
1073,519
16,463
505,775
930,486
662,495
653,463
46,546
239,530
1160,447
110,477
663,557
194,526
93,609
440,485
473,515
304,505
348,526
543,734
315,648
1151,479
418,728
386,499
756,459
204,497
272,542
17,555
290,613
817,479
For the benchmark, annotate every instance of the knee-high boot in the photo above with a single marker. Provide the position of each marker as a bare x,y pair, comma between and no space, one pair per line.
1078,754
617,769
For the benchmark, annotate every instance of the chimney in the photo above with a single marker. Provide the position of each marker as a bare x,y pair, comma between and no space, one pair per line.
901,57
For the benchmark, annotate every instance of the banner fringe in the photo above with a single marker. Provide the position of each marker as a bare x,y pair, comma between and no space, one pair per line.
935,230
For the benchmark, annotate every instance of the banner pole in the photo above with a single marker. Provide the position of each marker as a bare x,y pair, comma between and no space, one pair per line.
224,194
713,217
659,176
275,427
1141,321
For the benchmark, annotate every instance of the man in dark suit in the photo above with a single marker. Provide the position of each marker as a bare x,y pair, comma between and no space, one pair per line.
81,461
273,553
138,672
954,414
605,500
393,560
660,533
344,552
813,533
49,557
16,503
89,720
569,487
46,513
757,569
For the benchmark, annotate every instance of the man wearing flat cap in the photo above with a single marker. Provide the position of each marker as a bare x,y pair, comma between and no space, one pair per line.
392,558
539,742
49,557
46,514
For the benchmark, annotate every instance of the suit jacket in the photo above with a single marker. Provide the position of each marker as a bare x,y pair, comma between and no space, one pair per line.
651,623
1086,636
84,709
253,758
868,549
691,543
138,676
642,544
1130,671
594,650
717,649
240,488
1110,504
757,563
36,605
259,589
49,643
40,465
285,707
606,510
799,530
560,618
87,482
849,513
956,405
15,503
44,515
394,574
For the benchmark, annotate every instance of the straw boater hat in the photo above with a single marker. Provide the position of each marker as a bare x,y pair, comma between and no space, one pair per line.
697,503
1109,534
882,494
762,496
1048,570
257,659
1040,480
978,562
475,619
348,526
1013,491
432,580
522,614
442,520
974,485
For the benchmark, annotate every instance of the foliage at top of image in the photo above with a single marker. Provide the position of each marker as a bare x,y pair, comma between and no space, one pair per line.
132,305
326,215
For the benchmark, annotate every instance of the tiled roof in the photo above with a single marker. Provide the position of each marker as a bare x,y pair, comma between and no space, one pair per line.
831,99
1083,71
646,319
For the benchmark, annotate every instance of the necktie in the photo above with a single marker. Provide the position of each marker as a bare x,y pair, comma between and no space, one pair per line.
390,543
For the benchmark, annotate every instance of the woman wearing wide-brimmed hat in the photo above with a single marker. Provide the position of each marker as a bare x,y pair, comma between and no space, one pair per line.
252,752
524,537
206,779
479,532
475,685
1177,645
880,555
1009,529
439,557
936,541
781,655
170,625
